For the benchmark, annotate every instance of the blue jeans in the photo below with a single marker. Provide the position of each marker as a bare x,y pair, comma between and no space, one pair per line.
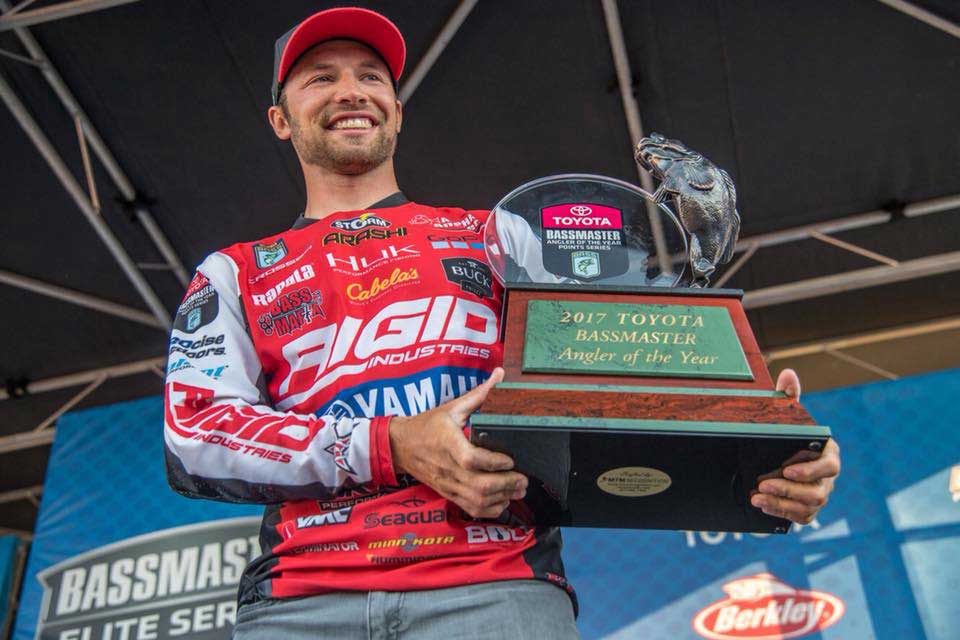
512,609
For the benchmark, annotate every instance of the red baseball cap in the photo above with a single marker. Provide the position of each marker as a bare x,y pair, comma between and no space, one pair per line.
351,23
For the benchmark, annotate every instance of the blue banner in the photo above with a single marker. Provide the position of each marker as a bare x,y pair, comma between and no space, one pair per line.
881,561
116,553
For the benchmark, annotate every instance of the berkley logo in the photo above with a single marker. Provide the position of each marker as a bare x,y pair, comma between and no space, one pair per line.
761,607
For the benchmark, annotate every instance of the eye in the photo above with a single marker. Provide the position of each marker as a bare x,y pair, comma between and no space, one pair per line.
373,76
322,78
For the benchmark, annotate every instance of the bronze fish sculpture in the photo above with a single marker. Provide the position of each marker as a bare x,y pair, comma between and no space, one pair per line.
703,196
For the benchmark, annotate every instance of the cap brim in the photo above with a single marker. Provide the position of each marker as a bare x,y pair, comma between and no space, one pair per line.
352,23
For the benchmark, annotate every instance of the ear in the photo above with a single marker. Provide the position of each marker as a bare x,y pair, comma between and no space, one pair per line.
399,116
279,122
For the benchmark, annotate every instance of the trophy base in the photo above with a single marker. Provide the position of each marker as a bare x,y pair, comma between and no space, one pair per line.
646,474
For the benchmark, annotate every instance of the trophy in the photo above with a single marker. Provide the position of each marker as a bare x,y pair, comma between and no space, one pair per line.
634,396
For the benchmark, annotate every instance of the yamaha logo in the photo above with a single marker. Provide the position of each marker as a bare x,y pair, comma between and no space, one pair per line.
581,210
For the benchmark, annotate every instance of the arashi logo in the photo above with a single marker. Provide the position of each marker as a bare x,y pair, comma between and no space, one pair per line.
762,607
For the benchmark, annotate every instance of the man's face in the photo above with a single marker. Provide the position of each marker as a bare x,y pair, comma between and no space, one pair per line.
341,110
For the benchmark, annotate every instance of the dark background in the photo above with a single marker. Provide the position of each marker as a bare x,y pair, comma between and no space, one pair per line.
818,109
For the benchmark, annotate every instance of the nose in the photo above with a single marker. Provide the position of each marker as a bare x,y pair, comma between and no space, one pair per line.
349,90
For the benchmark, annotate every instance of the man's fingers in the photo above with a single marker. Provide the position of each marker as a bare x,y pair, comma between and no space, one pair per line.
789,382
461,408
784,508
473,458
814,494
826,466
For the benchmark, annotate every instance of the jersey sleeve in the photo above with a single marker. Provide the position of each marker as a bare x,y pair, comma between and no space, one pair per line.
223,439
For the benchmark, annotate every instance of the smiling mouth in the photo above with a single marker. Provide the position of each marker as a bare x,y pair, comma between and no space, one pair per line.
353,123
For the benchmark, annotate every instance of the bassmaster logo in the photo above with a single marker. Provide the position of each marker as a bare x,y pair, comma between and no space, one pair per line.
761,607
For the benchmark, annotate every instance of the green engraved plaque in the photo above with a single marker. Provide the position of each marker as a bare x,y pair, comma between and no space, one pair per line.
671,340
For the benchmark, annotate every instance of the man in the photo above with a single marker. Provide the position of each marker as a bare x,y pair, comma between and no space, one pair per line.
333,368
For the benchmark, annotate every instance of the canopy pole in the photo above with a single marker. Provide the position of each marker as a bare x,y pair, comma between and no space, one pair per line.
119,177
631,110
436,48
852,280
76,192
923,15
55,12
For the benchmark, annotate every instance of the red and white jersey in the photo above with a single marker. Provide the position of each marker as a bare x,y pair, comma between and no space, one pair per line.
288,357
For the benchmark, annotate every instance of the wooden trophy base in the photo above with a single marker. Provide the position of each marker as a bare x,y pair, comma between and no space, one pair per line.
627,411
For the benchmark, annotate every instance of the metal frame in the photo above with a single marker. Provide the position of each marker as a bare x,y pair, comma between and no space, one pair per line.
436,48
923,15
15,18
631,110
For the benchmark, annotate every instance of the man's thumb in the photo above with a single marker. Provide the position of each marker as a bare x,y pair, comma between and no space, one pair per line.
469,402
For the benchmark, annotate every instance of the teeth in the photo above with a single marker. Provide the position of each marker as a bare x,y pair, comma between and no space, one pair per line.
353,123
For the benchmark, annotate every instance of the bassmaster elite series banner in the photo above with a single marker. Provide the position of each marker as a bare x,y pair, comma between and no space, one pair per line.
118,556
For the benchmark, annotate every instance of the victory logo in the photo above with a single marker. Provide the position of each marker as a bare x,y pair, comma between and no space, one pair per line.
762,607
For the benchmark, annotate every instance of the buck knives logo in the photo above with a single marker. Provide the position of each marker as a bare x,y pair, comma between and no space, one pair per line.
472,275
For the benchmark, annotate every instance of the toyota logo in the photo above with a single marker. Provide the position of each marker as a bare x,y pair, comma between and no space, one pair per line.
581,210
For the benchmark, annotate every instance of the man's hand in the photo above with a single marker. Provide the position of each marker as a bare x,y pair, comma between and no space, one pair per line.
431,447
800,488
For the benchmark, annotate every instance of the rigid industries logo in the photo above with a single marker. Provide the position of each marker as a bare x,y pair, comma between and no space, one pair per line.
762,607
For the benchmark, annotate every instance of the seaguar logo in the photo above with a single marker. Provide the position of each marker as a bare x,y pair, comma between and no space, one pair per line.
762,607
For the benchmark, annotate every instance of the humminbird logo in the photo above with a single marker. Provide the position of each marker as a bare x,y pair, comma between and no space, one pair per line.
762,607
176,582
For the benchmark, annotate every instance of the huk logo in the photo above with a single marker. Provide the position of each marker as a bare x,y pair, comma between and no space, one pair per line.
362,221
586,264
268,255
761,607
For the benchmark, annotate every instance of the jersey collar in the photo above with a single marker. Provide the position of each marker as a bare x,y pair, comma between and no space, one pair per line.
393,200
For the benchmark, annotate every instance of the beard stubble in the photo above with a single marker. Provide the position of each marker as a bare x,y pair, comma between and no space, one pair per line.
351,157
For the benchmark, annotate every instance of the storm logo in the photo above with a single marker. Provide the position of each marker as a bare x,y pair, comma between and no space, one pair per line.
762,607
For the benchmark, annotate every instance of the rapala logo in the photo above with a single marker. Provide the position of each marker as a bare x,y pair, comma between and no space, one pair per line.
761,607
302,274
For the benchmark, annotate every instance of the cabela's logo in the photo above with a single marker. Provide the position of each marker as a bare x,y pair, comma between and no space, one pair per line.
268,255
762,607
362,221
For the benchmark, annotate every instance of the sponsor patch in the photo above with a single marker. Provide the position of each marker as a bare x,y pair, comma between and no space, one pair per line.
370,233
291,312
299,276
200,348
360,265
200,305
762,606
362,221
279,267
340,516
468,222
359,292
340,448
377,519
410,542
268,255
471,275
